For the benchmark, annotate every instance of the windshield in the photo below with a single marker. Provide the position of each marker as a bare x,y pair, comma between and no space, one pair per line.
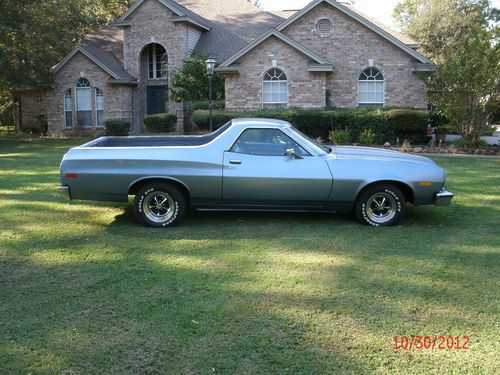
317,145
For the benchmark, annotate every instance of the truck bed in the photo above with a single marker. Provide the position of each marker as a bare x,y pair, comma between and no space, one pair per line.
149,141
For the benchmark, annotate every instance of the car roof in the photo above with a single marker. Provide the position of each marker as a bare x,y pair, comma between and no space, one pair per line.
243,122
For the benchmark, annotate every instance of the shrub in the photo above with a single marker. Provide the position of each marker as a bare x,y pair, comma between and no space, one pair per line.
216,105
117,127
160,123
409,124
466,144
367,137
339,137
318,123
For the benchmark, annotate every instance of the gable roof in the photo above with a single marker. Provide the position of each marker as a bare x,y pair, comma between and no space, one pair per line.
275,33
178,9
362,20
105,48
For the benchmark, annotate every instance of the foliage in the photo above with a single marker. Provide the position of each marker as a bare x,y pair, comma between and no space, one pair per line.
318,123
160,123
339,136
462,37
35,35
470,144
406,146
190,82
85,290
408,124
367,137
204,104
117,127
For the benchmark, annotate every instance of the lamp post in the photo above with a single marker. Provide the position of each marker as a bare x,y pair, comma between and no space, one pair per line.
210,72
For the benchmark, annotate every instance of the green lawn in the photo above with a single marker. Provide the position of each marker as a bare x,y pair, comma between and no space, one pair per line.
85,290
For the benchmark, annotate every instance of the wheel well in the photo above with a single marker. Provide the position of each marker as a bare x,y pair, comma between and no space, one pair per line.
405,189
136,186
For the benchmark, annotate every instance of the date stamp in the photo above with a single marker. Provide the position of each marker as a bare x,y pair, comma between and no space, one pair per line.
431,342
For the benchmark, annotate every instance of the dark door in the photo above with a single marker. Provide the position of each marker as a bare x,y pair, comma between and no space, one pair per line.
156,97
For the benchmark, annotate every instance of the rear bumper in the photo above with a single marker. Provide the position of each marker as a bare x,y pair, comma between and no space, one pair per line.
64,192
443,198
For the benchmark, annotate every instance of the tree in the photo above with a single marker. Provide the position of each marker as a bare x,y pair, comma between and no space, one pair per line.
190,81
35,35
462,37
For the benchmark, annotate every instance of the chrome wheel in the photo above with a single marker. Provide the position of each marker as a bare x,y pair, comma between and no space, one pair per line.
381,207
158,206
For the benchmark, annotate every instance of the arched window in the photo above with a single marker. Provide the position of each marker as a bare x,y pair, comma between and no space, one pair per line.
83,103
157,61
99,107
275,87
68,109
371,88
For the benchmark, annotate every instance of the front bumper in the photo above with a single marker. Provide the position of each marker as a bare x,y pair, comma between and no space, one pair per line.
443,198
64,192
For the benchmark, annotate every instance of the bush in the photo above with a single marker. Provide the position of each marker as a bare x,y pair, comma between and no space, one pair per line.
409,124
160,123
318,123
367,137
471,145
339,137
117,127
216,105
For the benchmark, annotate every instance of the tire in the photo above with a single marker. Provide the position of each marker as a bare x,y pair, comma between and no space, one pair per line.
381,205
159,205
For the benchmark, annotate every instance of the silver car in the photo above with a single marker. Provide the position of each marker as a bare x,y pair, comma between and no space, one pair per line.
250,164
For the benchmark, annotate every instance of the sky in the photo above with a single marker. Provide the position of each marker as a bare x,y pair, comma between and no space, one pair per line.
378,9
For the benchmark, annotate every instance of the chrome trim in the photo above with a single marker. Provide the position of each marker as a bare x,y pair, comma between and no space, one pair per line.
443,198
64,192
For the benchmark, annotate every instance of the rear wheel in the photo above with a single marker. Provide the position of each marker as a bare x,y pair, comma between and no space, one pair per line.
380,205
159,205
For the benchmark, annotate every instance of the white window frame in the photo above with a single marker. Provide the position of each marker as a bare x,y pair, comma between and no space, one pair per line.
67,94
369,82
157,74
87,89
99,94
273,81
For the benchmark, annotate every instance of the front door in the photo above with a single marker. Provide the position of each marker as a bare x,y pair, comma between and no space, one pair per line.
156,97
257,173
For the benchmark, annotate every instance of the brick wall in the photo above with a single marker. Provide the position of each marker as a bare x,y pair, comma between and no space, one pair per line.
349,48
117,99
305,89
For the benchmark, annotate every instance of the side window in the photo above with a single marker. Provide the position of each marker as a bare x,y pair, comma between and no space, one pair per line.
266,142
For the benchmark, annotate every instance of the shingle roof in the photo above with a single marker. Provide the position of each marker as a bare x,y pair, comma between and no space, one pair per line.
233,25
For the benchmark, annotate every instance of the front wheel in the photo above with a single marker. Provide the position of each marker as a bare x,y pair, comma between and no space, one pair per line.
159,205
381,205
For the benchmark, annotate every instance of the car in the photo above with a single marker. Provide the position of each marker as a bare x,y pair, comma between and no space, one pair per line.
250,164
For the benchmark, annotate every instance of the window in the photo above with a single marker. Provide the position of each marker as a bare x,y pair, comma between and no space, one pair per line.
266,142
99,107
83,103
68,109
158,61
275,87
371,88
324,27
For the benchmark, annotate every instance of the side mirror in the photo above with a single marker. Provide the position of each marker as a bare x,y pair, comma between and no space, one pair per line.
291,153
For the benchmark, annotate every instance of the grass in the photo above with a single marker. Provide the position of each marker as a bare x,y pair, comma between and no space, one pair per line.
85,290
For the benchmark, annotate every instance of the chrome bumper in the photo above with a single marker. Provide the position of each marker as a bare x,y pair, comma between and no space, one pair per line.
443,198
64,192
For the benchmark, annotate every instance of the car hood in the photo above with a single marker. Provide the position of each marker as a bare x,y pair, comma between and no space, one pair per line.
371,153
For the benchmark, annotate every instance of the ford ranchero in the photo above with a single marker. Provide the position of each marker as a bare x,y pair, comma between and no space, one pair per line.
250,164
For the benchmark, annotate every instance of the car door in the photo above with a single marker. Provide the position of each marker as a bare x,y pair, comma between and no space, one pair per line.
259,173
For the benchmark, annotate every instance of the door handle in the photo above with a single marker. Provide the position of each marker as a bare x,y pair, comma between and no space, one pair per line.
234,161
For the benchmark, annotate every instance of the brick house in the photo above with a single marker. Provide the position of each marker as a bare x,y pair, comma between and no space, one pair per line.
328,53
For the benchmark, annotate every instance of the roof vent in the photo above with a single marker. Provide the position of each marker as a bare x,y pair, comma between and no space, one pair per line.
324,27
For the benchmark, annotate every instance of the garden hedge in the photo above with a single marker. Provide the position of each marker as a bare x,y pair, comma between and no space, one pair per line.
117,127
160,123
386,124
